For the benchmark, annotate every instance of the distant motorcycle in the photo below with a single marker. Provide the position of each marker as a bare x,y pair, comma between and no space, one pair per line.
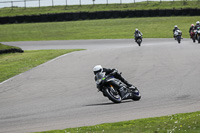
138,39
198,36
115,89
177,35
192,35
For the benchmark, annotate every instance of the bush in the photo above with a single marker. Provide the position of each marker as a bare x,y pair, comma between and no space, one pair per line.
9,49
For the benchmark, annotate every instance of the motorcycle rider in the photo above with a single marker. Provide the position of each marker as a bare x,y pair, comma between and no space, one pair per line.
176,28
137,32
99,68
197,25
191,29
196,28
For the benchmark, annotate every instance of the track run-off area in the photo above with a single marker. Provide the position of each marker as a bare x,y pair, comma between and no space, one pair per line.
62,93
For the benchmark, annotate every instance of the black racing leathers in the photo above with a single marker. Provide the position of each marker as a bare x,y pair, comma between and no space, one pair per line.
196,26
136,34
116,75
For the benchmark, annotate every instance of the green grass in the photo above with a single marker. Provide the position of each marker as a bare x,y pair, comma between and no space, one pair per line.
178,123
151,27
17,11
16,63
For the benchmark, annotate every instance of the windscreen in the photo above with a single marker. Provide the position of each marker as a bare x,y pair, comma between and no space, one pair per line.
99,76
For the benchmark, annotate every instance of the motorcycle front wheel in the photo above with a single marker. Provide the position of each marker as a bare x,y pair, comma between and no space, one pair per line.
113,95
193,39
198,39
139,42
179,39
136,95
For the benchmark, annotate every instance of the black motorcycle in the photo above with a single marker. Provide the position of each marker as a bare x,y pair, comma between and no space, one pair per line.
115,89
138,39
198,36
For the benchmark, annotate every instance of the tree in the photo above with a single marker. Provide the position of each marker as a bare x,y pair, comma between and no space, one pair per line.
93,1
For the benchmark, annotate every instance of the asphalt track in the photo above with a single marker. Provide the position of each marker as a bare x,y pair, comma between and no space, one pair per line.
62,93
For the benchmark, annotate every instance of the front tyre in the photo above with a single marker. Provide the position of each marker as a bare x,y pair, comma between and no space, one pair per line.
136,95
193,39
198,39
111,94
179,39
139,41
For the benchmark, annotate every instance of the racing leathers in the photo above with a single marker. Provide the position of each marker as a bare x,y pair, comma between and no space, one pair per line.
196,26
136,34
117,76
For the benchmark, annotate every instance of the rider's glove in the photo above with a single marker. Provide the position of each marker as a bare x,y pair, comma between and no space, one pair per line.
114,71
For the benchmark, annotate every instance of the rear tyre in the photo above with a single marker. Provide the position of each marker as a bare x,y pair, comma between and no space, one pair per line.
110,93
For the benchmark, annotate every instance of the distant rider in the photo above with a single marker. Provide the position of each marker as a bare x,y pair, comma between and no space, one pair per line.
197,25
99,68
191,29
136,34
175,28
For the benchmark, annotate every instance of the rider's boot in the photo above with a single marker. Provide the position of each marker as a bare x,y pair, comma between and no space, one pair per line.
125,81
130,86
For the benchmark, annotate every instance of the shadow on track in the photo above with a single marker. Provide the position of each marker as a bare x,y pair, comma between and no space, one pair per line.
111,103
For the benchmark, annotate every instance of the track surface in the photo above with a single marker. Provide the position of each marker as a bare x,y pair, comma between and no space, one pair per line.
62,93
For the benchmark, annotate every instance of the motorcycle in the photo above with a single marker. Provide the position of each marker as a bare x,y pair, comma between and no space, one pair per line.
114,89
192,35
138,39
198,36
177,35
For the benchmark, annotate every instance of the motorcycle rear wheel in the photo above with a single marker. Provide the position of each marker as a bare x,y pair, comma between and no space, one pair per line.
116,98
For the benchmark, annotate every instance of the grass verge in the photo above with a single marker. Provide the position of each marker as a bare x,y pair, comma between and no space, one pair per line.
151,27
20,11
16,63
178,123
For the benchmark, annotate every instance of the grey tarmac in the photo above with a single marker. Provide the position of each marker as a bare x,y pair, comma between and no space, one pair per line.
62,93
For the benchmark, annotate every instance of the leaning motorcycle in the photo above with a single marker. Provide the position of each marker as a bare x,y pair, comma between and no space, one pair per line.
177,35
138,39
192,35
198,36
115,89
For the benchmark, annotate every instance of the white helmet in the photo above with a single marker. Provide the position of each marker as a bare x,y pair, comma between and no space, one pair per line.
97,68
136,29
197,22
175,26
